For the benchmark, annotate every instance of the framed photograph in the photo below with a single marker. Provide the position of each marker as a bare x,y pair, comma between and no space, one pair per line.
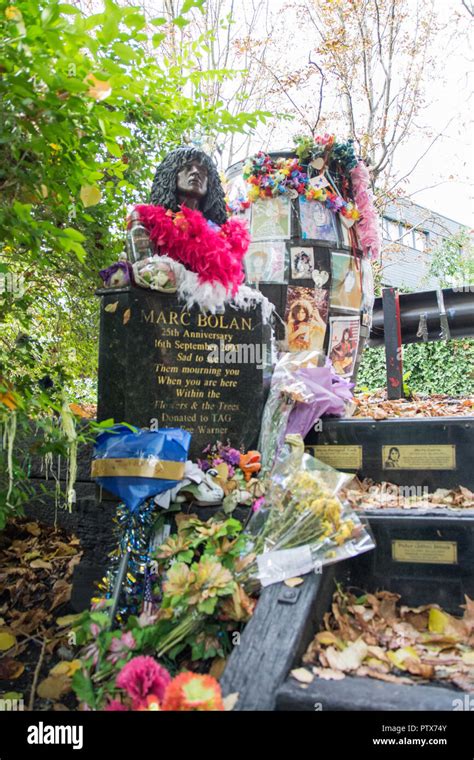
344,335
306,318
271,219
348,233
302,263
317,221
346,286
266,262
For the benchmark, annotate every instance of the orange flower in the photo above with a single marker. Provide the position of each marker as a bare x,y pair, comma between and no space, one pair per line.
191,692
250,463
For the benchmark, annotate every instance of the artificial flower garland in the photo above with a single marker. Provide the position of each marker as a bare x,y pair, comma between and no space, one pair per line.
270,178
214,253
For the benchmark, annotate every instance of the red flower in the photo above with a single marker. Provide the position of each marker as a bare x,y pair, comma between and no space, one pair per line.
142,677
116,706
192,692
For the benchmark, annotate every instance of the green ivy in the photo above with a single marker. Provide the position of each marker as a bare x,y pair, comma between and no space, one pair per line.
435,367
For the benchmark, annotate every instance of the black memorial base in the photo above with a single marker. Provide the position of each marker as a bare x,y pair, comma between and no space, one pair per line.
425,560
432,452
162,365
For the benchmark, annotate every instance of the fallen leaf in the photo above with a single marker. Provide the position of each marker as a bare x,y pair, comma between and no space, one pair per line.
349,659
62,593
302,675
65,668
10,669
327,638
111,308
54,687
33,528
230,701
327,674
68,619
292,582
217,668
7,641
126,316
41,564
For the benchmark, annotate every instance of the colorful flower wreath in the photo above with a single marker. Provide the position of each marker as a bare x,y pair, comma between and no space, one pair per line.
270,178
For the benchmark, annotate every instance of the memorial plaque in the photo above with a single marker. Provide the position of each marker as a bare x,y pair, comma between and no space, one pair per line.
162,365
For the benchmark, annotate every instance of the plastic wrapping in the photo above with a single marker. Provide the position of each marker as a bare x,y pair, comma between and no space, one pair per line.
305,526
304,388
137,464
155,273
285,391
368,291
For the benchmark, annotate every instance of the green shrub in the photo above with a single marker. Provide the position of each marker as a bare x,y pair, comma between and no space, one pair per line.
438,367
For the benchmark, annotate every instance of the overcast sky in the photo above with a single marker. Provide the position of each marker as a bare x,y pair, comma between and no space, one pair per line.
453,154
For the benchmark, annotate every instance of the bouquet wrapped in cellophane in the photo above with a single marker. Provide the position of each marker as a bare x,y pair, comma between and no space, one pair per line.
303,525
304,388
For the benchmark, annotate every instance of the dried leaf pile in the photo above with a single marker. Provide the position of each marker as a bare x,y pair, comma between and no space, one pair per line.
36,567
378,407
372,635
366,494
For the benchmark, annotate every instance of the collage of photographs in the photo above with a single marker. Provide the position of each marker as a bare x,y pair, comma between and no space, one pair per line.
298,246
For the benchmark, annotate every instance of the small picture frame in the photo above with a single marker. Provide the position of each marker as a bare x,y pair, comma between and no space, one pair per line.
346,285
266,261
306,318
302,263
344,333
271,219
317,221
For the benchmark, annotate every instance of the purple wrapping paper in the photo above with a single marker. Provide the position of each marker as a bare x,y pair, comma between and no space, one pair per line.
330,392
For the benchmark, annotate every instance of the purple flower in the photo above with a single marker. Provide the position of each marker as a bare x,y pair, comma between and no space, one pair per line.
232,457
121,646
258,504
117,275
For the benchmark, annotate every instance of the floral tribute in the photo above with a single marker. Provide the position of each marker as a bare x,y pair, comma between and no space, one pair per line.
145,685
235,472
197,604
269,178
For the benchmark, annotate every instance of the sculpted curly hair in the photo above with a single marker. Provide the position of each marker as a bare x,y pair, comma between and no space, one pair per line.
164,193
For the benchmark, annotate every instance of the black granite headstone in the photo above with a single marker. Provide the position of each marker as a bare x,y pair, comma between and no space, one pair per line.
162,365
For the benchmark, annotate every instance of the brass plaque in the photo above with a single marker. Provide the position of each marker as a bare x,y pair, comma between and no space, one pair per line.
429,552
419,457
340,457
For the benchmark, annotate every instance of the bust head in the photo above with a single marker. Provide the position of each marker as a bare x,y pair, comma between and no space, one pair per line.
188,175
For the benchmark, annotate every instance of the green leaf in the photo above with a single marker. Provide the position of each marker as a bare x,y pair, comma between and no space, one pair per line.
188,4
83,688
208,606
157,39
181,22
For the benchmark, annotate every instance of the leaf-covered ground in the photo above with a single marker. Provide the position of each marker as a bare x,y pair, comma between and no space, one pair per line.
373,635
36,566
366,494
377,407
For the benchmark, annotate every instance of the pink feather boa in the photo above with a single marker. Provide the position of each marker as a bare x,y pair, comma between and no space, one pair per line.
368,227
214,253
